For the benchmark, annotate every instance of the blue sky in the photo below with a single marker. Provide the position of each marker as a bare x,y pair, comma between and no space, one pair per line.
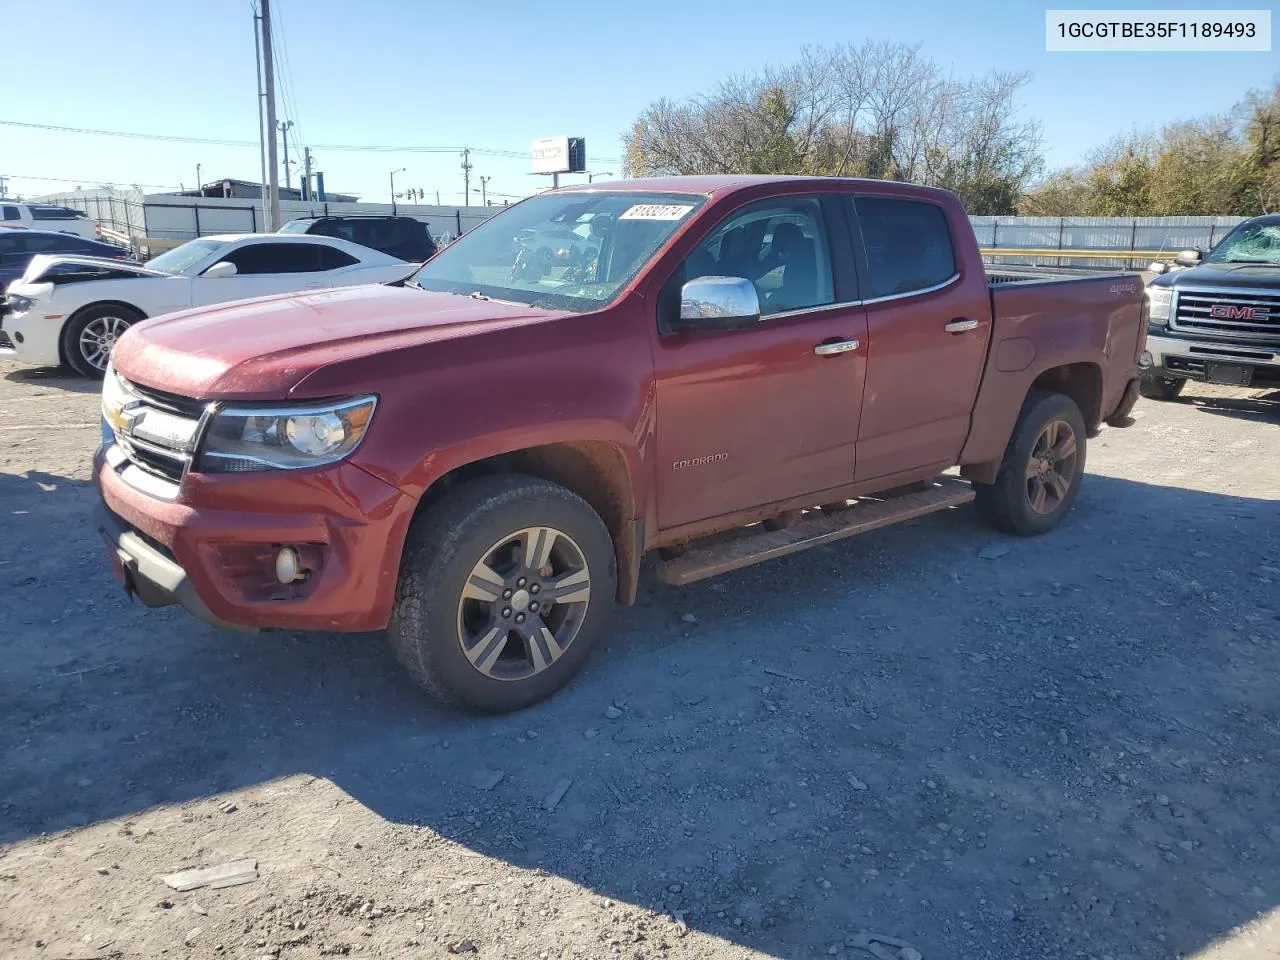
497,74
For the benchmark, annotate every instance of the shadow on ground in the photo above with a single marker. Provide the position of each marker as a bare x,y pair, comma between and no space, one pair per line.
61,378
1264,408
1066,746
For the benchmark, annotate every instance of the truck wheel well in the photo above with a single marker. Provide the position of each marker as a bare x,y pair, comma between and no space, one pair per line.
594,470
1082,382
62,347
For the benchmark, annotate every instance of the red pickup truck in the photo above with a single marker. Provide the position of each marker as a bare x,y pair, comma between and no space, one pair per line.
723,370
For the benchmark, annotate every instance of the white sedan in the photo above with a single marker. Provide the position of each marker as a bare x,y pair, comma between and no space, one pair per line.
68,309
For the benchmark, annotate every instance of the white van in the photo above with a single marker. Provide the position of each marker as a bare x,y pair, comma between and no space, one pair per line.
41,216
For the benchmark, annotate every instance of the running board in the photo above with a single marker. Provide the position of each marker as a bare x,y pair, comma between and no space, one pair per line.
754,544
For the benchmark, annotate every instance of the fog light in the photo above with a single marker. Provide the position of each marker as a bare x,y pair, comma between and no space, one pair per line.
287,566
1146,361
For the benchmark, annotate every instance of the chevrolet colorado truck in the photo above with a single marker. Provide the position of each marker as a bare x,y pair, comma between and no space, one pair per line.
720,370
1217,320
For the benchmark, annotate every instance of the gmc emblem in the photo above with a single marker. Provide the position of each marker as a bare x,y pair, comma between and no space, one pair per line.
1229,311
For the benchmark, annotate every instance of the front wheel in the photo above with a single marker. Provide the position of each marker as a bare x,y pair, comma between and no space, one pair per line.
503,588
1155,387
1041,471
91,335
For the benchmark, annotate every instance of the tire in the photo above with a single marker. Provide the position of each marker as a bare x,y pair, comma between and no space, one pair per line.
1155,387
100,325
1025,504
445,606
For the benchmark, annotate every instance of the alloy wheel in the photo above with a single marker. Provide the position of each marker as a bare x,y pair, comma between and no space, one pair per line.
524,603
1051,467
99,337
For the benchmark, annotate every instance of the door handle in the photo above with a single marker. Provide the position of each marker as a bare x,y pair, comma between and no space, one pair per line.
961,325
836,348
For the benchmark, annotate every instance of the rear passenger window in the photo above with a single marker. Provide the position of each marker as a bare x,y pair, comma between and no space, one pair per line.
11,213
908,245
275,258
332,259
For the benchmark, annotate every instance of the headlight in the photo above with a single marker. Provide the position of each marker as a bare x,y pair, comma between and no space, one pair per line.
114,399
18,304
285,438
1159,300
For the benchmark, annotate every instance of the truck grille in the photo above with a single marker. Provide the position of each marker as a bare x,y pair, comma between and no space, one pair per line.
1238,314
161,431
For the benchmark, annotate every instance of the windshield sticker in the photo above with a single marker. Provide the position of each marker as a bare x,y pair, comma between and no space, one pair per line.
657,211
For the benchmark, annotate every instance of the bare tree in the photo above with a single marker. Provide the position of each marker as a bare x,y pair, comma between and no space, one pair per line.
872,109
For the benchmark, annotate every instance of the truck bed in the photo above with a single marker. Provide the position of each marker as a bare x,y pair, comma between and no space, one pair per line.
1088,329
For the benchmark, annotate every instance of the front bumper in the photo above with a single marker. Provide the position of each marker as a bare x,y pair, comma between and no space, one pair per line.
1189,358
211,549
30,338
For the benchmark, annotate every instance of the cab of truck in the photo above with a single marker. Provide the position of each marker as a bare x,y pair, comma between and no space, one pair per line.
1216,318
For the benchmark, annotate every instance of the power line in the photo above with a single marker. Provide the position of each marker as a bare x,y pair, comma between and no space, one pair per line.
213,141
93,180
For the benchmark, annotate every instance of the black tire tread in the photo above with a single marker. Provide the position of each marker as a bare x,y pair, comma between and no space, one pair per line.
433,541
1155,387
998,503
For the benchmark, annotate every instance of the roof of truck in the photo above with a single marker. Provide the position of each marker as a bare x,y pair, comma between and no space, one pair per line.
706,185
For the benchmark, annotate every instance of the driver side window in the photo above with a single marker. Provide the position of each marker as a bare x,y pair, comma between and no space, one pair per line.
780,245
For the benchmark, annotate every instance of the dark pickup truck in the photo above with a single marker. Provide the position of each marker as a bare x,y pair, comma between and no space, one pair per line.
723,370
1219,320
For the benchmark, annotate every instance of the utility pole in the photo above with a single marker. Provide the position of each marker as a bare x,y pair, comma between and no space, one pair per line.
284,133
269,77
484,183
306,173
197,178
466,176
262,144
393,189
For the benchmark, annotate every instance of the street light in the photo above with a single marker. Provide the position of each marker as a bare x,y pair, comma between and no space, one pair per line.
393,189
591,177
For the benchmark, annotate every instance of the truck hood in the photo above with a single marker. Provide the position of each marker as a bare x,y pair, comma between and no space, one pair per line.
1225,275
261,348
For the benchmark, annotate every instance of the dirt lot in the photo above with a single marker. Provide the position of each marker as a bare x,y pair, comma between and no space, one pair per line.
968,745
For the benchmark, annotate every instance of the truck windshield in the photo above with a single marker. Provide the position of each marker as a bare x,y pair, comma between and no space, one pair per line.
1249,243
180,259
562,251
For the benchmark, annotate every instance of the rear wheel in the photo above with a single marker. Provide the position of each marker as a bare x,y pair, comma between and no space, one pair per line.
1155,387
504,586
91,335
1041,471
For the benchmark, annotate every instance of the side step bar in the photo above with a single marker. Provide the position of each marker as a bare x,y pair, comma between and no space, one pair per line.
733,551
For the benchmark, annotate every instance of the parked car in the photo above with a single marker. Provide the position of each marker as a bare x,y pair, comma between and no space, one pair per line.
42,216
73,309
478,462
18,247
405,237
1217,320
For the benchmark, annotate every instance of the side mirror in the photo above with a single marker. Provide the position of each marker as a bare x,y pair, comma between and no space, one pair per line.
223,268
1158,266
719,303
1187,258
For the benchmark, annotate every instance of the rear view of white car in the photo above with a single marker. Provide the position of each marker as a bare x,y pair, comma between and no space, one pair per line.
73,309
42,216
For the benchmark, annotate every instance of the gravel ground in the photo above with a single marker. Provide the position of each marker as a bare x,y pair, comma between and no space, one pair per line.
928,741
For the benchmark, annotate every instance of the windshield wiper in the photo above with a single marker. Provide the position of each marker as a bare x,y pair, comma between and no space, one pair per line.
1270,263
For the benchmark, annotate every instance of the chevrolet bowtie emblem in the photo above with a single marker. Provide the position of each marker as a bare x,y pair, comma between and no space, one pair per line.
121,419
